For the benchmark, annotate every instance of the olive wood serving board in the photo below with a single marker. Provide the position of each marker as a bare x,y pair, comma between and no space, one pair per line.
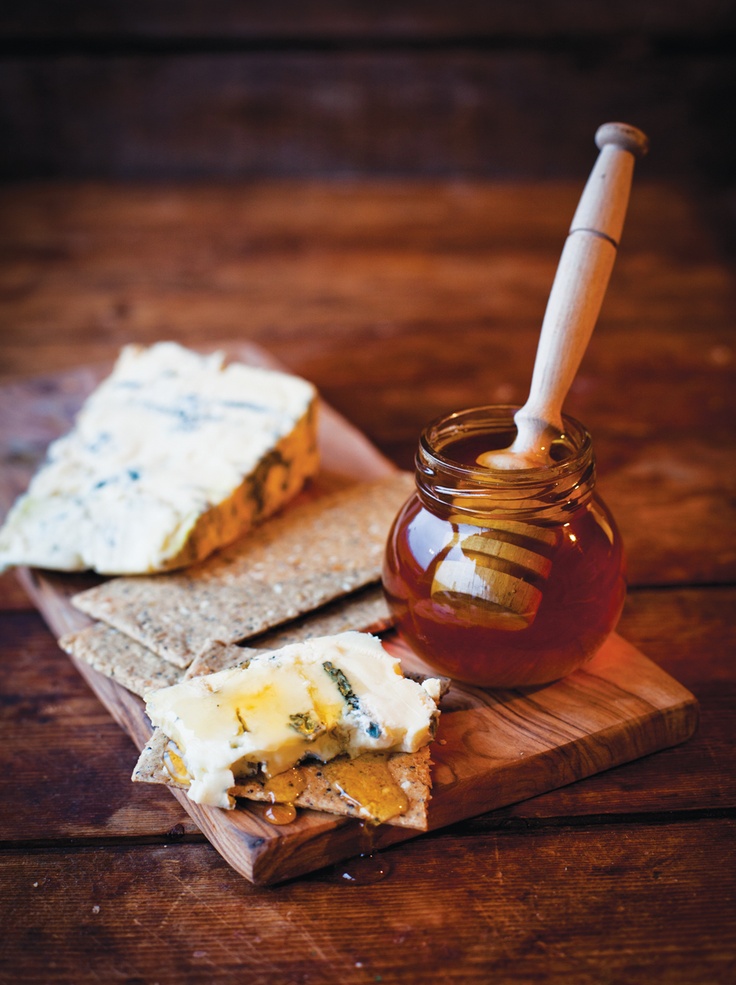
493,748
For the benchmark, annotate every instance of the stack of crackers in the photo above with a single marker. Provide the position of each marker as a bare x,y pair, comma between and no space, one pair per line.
314,570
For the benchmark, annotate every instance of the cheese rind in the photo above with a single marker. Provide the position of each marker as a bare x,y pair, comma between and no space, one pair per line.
318,699
173,455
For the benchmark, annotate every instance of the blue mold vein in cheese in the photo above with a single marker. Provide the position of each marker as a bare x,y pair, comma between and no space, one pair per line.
318,699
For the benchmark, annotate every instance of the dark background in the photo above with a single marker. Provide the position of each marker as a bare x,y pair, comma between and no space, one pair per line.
158,88
165,90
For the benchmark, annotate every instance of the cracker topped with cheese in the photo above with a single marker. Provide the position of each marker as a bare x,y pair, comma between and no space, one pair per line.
334,698
172,456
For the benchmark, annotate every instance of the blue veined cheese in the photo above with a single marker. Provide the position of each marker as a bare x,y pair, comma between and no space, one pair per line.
317,699
173,455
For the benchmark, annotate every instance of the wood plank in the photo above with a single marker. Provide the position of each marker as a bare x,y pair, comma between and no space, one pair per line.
402,111
570,906
699,649
331,292
66,764
351,19
697,777
12,596
95,265
108,230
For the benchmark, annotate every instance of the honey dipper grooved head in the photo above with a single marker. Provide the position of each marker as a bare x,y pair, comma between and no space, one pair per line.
623,135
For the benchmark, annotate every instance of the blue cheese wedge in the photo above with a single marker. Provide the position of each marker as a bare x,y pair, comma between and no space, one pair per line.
319,699
174,455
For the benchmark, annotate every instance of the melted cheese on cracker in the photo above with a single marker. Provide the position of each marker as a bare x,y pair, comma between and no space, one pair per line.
317,699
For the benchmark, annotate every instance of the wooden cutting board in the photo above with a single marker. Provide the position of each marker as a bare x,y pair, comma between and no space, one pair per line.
493,748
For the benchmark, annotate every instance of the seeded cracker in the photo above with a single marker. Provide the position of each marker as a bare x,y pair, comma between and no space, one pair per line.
120,658
365,611
140,670
310,555
410,770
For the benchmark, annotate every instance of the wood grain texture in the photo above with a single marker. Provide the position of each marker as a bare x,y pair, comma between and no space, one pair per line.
492,748
424,114
336,89
401,300
355,286
569,907
12,595
65,760
77,778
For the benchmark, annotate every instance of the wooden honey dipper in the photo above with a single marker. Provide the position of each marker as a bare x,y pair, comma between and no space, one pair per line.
512,558
576,297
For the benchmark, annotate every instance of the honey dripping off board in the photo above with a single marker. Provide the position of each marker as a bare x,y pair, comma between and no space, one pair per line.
493,748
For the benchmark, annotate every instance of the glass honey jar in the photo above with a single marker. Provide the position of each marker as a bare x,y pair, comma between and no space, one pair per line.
503,578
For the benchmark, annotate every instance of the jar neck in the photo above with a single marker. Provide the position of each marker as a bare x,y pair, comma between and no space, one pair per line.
450,481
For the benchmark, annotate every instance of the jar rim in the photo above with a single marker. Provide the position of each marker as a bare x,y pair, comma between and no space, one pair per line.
575,435
540,492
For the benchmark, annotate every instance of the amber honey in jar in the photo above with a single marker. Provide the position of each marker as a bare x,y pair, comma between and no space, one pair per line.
503,578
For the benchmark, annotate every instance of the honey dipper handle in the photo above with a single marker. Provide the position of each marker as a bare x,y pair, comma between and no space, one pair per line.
580,282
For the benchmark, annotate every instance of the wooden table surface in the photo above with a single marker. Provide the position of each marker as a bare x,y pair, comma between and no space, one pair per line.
400,301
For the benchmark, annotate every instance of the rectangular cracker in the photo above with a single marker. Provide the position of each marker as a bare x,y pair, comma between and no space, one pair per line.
140,670
308,556
411,771
120,658
366,611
